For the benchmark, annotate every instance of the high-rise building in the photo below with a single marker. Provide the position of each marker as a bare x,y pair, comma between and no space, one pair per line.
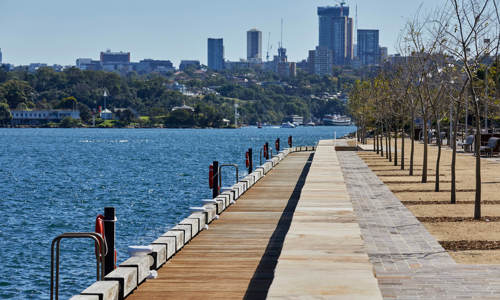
0,55
254,45
311,61
323,61
336,32
368,47
215,54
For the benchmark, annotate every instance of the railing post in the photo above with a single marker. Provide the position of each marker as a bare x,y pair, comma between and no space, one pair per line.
277,145
215,190
250,160
290,141
267,151
109,235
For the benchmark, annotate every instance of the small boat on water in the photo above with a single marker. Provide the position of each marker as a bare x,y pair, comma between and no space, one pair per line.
310,124
287,125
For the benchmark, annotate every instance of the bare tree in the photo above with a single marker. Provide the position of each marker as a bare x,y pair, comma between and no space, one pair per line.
472,31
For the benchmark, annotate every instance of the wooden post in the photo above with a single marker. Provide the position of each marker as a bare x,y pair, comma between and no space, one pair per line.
267,150
109,235
215,178
290,141
277,145
250,160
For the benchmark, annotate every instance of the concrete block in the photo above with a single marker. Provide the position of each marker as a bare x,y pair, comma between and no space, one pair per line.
179,238
229,195
141,264
84,297
127,279
225,199
105,290
211,210
188,235
221,205
202,219
159,255
195,227
169,242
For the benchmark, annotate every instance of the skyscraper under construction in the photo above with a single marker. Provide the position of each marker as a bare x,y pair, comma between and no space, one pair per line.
336,32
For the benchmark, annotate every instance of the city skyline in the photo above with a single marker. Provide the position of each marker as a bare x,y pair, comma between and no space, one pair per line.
62,34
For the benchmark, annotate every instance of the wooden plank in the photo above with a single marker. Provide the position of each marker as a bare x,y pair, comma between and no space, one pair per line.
223,261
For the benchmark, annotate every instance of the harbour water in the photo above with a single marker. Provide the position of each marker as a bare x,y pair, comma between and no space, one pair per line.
58,180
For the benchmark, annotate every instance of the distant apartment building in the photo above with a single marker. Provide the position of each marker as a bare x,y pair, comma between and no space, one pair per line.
185,64
368,47
336,32
215,54
115,61
254,45
88,64
311,62
147,66
39,117
323,61
0,56
384,54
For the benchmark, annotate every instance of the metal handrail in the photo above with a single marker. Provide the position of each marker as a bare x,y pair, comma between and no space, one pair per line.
228,165
56,243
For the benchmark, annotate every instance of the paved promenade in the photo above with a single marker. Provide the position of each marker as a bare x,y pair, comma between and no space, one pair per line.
323,256
293,235
409,263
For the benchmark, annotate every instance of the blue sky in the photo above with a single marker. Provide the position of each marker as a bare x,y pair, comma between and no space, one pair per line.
59,31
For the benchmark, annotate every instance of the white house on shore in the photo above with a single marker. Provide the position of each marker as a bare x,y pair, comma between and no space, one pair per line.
38,117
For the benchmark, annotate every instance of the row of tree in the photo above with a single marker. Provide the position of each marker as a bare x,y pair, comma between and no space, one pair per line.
448,72
151,96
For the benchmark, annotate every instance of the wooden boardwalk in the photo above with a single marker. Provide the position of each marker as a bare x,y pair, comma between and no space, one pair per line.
234,258
292,235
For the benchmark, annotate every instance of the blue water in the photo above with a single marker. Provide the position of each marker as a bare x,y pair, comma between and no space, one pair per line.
57,180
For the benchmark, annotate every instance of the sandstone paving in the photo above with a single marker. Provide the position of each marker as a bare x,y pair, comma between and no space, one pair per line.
409,262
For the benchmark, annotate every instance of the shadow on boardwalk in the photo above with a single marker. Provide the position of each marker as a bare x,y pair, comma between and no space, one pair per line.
264,274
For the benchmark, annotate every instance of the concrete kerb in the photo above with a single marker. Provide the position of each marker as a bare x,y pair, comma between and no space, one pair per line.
126,278
159,255
105,290
178,236
142,264
85,297
169,242
119,283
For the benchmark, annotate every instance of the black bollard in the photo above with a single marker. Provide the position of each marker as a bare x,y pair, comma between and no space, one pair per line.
215,178
250,160
109,235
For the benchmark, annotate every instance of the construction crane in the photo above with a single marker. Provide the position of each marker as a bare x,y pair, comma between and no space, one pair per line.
269,46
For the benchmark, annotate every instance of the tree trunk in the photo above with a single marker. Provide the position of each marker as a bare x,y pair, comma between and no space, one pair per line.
426,141
402,148
386,143
477,144
375,140
381,140
412,136
389,138
395,147
438,160
454,158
